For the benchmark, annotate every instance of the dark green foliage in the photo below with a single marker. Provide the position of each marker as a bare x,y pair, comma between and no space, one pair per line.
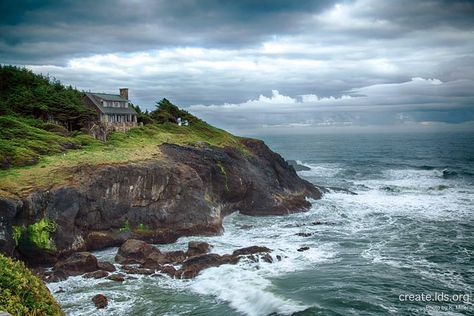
28,94
22,293
168,112
142,117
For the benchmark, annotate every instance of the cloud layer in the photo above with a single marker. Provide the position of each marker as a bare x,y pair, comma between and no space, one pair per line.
418,101
351,62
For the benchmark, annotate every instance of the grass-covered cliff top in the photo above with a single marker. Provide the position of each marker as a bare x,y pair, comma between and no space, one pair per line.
22,293
52,165
37,154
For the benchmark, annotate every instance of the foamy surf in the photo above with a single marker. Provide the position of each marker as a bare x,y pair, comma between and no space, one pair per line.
244,290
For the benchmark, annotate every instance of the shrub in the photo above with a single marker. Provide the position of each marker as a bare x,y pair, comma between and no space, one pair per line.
22,293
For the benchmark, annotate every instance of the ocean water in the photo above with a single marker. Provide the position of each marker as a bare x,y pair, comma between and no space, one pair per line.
409,230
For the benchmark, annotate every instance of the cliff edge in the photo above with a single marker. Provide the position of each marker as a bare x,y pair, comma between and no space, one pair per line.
186,190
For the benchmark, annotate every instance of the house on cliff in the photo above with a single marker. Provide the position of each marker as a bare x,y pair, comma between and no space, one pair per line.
113,110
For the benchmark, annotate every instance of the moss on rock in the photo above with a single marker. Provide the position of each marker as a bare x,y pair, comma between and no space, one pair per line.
36,235
22,293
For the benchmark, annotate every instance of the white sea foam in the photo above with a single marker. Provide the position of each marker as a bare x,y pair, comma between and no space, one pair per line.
246,291
76,298
246,287
320,170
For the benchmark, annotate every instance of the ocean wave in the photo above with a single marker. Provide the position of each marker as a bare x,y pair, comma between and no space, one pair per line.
319,170
245,291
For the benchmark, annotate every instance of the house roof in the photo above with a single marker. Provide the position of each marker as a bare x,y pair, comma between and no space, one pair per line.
109,97
97,97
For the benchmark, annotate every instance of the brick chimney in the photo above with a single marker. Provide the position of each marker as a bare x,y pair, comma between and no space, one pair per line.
124,93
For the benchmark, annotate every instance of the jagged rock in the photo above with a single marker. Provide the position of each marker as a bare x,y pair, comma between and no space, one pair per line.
197,248
106,266
60,290
135,251
297,166
169,270
96,274
78,263
303,249
304,234
100,301
253,258
54,276
267,258
117,277
188,273
278,257
150,263
230,259
205,260
192,266
250,250
174,256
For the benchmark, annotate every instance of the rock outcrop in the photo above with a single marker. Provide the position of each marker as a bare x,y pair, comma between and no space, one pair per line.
187,190
193,262
78,263
135,251
297,166
100,301
138,257
197,248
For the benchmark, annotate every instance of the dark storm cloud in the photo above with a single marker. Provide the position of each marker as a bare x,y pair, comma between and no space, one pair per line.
38,32
414,15
401,62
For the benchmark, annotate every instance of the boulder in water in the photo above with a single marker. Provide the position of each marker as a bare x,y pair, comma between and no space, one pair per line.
196,264
54,276
106,266
100,301
96,274
135,251
197,248
78,263
250,250
304,234
303,249
267,258
449,173
174,256
297,166
117,277
169,270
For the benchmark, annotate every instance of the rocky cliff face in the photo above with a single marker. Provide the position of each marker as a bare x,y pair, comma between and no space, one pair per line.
187,191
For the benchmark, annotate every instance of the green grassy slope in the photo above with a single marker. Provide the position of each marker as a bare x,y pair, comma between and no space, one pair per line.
53,168
23,141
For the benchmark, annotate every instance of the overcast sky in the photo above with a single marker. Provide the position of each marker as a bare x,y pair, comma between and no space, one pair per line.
260,65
